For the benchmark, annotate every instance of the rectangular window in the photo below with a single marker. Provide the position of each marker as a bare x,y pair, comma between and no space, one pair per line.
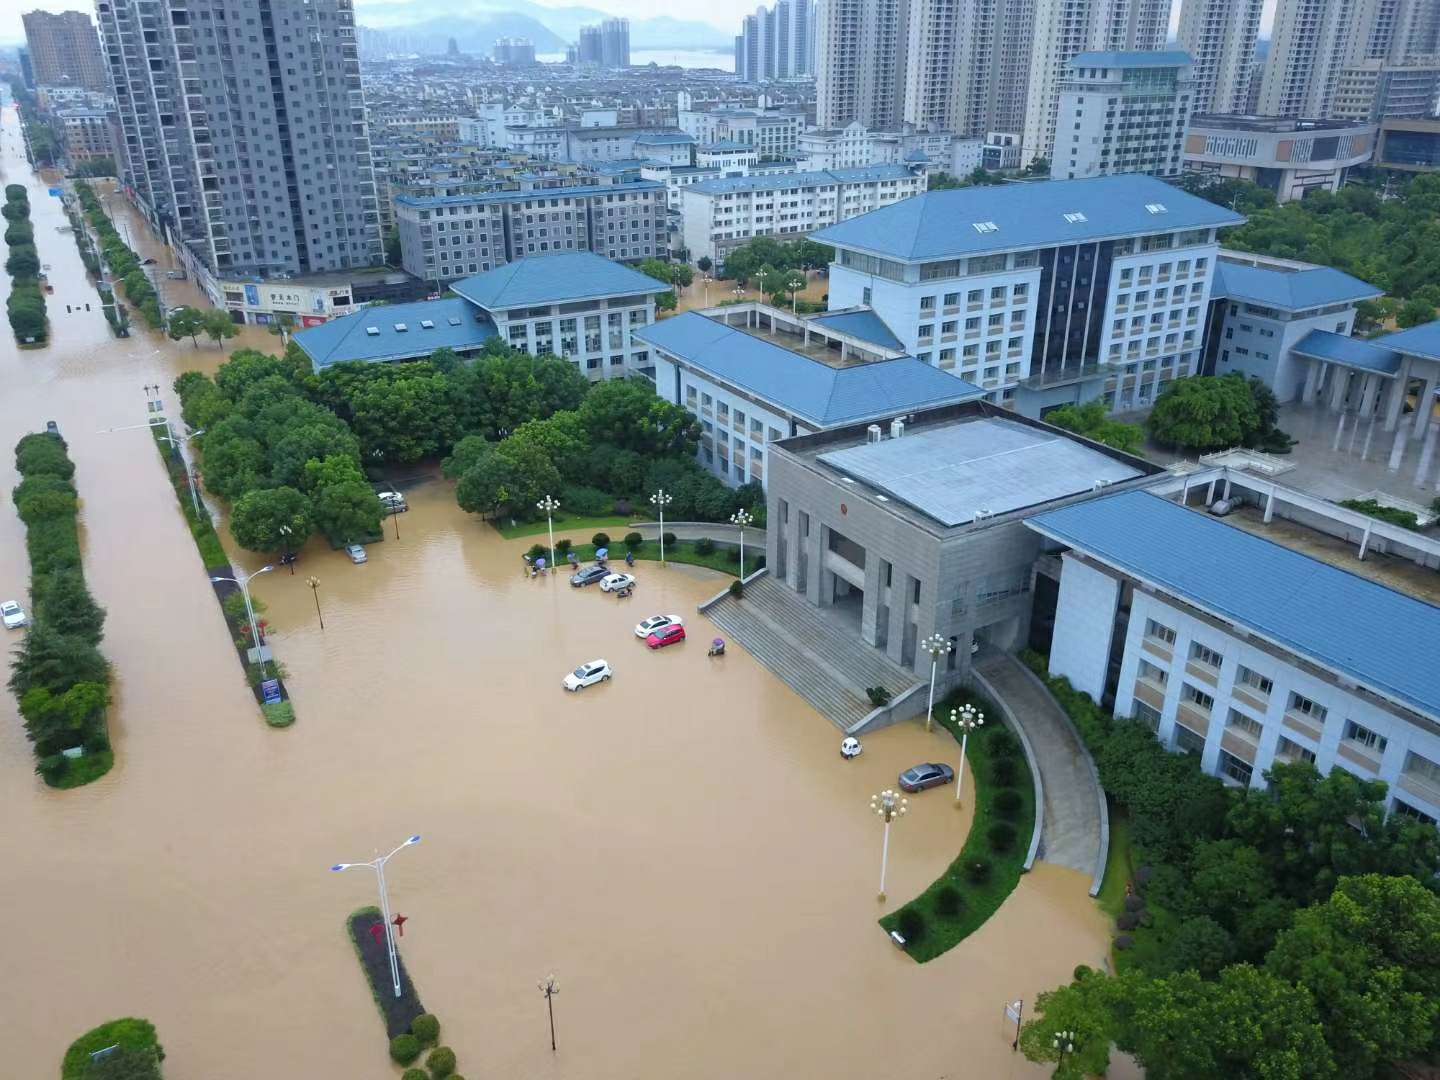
1159,632
1289,750
1207,656
1409,811
1363,736
1148,716
1422,769
1153,673
1253,680
1305,707
1198,698
1232,768
1187,741
1243,724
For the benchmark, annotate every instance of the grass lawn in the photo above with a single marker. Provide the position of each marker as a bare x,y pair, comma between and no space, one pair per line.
978,900
131,1033
81,771
563,523
723,558
1118,868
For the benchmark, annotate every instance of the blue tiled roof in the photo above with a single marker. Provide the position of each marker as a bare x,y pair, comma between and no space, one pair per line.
725,145
815,393
430,202
348,338
664,138
1379,638
1422,340
1165,58
865,325
559,278
1348,352
1290,290
802,179
942,224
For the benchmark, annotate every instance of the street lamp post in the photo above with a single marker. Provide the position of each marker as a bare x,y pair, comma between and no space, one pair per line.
967,718
243,580
314,583
937,647
550,988
1064,1043
888,805
661,500
176,442
378,865
286,531
550,505
707,279
740,519
739,291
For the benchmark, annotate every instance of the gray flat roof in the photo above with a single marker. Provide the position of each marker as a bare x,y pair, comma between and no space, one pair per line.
955,472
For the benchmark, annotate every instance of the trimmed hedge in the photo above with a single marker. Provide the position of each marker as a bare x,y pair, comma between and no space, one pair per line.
136,1039
25,306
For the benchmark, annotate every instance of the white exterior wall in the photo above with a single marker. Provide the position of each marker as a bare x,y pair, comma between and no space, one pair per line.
1084,626
1330,749
1259,341
722,445
599,350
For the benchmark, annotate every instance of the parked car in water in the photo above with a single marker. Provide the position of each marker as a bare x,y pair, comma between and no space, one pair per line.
588,576
393,502
666,635
616,582
646,627
357,554
12,614
588,674
931,774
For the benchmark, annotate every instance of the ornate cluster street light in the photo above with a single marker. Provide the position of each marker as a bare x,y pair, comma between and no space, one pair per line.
1064,1043
888,806
740,519
286,532
243,580
549,505
378,865
661,500
937,647
967,718
549,987
314,583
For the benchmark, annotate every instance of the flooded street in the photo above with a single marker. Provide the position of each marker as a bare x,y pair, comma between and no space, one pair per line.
683,846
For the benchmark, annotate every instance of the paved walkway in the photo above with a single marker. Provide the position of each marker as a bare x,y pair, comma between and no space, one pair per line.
1074,833
722,532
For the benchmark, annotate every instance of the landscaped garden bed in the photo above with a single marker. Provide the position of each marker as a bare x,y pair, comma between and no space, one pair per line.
136,1053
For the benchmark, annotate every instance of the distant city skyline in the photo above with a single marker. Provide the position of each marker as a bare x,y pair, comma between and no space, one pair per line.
724,15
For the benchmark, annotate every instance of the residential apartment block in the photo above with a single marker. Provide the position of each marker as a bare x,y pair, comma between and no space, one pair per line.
65,50
446,237
1220,37
1123,112
860,57
722,214
776,42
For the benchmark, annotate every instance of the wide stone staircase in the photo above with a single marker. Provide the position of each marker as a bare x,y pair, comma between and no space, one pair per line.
821,659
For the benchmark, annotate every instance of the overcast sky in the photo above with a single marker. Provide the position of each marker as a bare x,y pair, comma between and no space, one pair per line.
725,14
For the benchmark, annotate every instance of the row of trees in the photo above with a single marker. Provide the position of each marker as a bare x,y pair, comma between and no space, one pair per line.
59,676
26,304
125,265
745,262
1285,932
214,323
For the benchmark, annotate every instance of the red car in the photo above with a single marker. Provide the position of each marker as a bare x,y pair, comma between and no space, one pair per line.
666,635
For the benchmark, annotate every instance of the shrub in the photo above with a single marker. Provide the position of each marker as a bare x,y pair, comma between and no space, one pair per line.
911,923
704,546
1142,877
279,713
414,1074
733,555
1124,941
585,501
1007,803
537,551
623,507
1081,973
1127,921
878,695
977,871
737,590
1001,743
669,538
633,540
1133,903
404,1049
563,546
600,539
1001,836
441,1062
1004,771
948,901
426,1028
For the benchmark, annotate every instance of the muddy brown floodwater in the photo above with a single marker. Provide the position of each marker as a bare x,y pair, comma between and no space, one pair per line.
682,846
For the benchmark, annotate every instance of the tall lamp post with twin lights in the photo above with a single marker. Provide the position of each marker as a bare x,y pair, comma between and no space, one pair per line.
243,580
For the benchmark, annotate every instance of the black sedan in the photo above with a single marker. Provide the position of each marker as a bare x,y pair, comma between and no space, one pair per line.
588,576
931,774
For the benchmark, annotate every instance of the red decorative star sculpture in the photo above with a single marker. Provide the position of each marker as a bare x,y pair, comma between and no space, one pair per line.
400,921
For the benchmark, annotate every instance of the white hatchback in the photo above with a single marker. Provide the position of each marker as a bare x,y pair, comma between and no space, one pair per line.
588,674
616,582
656,622
12,614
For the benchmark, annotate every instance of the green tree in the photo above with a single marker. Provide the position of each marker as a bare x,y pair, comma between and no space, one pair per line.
309,440
24,261
488,485
348,511
1083,1007
57,721
503,389
704,264
628,414
406,417
465,453
66,606
186,322
257,518
1093,421
55,661
1200,944
126,1063
234,460
219,327
563,439
1370,958
1415,312
1204,413
666,301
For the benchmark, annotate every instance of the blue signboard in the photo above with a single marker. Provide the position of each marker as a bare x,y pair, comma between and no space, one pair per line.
252,296
57,193
270,689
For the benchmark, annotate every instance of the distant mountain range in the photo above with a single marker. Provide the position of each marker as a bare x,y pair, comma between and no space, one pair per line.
551,29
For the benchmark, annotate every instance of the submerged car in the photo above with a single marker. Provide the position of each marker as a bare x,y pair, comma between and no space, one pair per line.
12,614
393,502
666,635
616,582
357,554
588,674
648,626
588,576
931,774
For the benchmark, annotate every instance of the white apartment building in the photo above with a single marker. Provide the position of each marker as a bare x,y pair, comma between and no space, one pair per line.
1243,651
1220,37
860,58
1122,112
722,214
773,133
855,146
1064,28
1041,294
731,158
1290,156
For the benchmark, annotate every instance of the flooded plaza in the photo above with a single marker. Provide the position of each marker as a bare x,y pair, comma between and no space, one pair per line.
683,846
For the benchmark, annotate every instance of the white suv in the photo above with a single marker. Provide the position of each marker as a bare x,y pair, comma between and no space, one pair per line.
12,614
588,674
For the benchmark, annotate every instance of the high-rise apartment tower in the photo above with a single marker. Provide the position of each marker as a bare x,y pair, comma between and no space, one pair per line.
64,50
1220,37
